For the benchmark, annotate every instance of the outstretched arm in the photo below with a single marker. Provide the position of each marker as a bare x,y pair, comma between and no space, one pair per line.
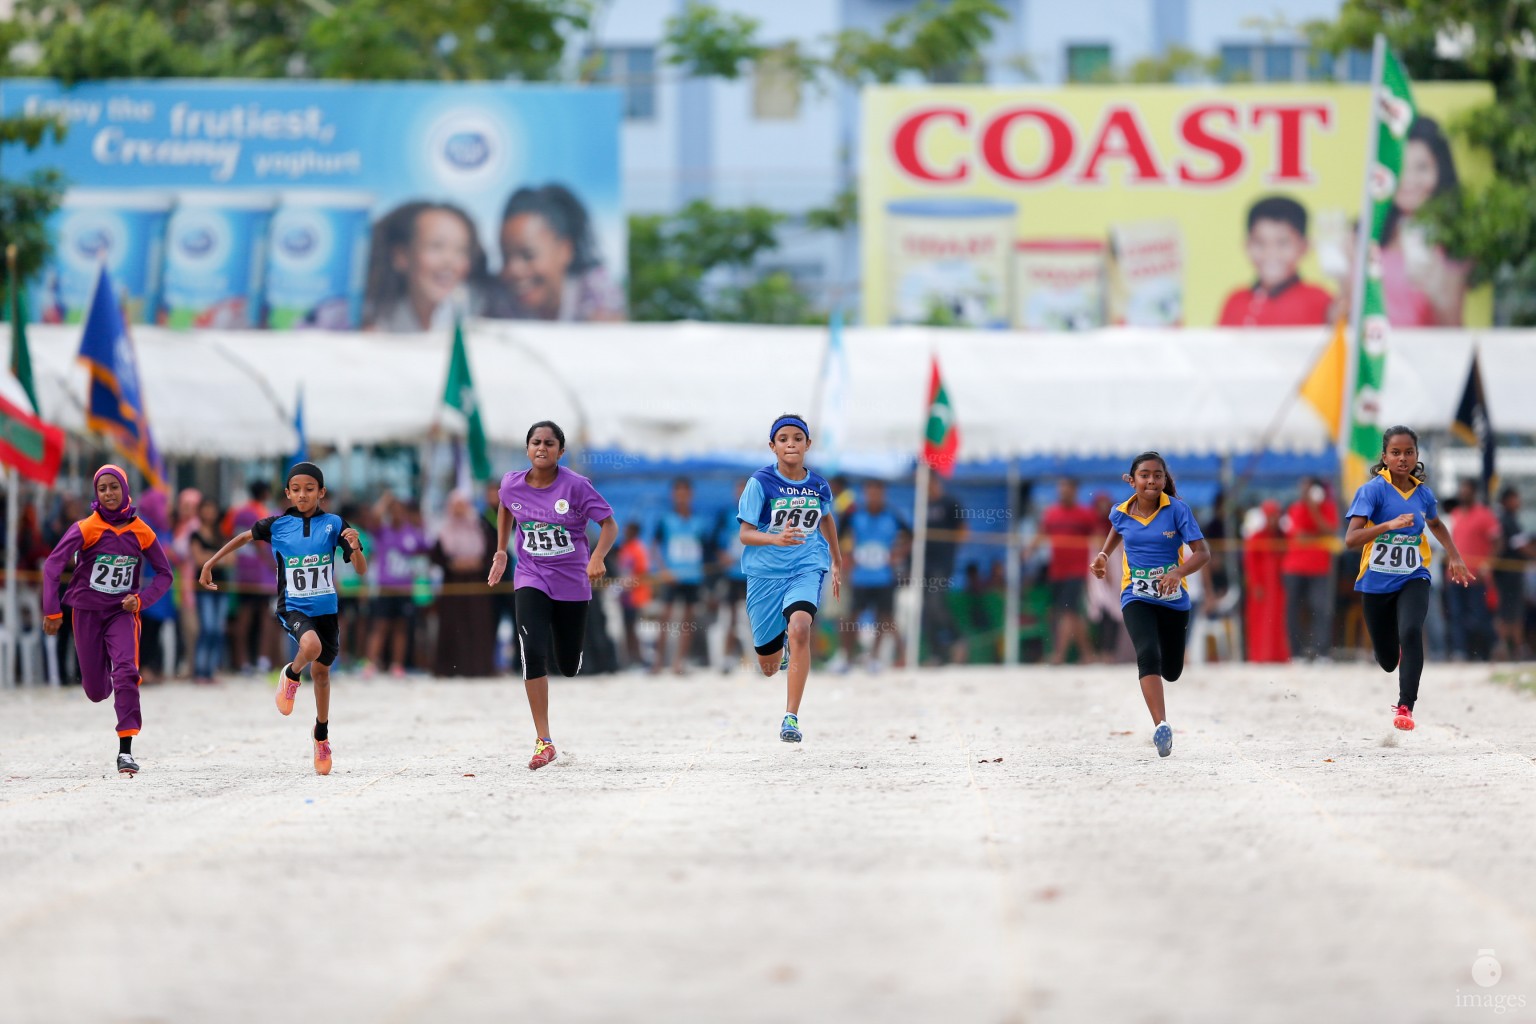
238,541
1455,568
53,570
1100,563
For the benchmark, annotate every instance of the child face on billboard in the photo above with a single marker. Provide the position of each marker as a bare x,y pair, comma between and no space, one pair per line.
1420,177
437,261
536,258
1275,249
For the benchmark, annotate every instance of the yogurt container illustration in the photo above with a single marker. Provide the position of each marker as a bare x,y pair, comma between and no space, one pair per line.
949,261
317,260
216,258
123,228
1146,274
1058,284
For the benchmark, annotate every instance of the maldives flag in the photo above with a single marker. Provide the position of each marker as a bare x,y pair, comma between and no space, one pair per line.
28,445
941,440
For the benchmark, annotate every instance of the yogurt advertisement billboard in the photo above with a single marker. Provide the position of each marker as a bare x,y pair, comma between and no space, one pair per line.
1084,206
381,206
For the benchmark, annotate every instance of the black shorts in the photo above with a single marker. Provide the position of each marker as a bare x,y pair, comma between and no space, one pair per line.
549,631
326,627
686,593
881,599
388,607
1069,595
1511,590
261,602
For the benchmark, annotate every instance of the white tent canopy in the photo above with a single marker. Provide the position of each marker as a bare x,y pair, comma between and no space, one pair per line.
681,390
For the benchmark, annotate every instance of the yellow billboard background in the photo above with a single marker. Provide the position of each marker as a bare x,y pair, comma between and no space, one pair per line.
974,144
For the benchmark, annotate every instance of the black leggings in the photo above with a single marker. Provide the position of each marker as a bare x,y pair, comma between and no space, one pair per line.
1396,624
1158,633
542,623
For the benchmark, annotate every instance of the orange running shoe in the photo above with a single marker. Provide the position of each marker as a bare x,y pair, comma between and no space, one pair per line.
287,689
1402,717
543,753
322,754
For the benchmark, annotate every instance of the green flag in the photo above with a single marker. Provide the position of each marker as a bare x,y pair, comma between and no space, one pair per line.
459,394
1394,114
21,355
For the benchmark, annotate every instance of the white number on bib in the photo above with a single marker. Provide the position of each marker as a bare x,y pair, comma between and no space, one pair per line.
113,574
1144,583
1396,554
871,555
311,580
684,551
546,540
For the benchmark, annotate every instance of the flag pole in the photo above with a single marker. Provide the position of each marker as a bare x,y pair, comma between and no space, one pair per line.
919,544
12,619
1362,254
1011,569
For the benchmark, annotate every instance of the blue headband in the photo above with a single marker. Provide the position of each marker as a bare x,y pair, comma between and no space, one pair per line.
791,421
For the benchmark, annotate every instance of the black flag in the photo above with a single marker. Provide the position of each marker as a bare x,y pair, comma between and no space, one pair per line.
1472,426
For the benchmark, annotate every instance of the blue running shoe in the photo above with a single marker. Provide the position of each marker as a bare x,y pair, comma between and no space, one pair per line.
1162,737
784,661
789,731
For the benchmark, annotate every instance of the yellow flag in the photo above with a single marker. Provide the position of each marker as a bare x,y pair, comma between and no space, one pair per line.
1323,389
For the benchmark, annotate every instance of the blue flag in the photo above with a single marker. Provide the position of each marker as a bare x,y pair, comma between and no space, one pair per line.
301,454
115,402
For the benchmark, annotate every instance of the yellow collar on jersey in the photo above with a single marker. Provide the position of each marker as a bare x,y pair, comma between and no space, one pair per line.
1163,503
1386,474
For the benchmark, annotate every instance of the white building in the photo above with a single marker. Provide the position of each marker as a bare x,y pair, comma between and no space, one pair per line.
764,139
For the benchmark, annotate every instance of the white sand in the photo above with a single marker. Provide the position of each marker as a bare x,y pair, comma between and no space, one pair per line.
680,864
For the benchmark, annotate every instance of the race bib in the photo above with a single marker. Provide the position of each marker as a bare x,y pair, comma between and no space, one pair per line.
684,551
1144,583
546,540
802,512
872,555
310,576
1396,554
113,574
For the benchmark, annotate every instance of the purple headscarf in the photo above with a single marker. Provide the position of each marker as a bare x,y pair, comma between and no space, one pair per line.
123,512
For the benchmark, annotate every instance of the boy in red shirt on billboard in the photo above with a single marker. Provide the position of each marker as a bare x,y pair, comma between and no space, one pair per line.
1277,243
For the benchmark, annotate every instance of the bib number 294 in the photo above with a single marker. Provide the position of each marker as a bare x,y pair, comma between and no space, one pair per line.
1144,583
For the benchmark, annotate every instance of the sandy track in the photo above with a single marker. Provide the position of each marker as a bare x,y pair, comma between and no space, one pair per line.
681,864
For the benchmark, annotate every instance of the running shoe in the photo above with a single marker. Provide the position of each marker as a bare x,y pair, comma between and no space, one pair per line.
543,753
1162,738
1402,717
784,661
287,689
322,754
126,765
789,729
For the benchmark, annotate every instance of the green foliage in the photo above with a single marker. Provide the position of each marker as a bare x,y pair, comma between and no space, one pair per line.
670,258
448,40
1176,64
842,214
941,42
1489,224
710,43
26,205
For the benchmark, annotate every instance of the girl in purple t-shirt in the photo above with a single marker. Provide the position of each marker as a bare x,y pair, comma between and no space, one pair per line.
550,508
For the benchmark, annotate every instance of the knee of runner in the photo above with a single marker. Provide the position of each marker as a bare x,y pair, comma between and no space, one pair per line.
799,629
309,646
1172,673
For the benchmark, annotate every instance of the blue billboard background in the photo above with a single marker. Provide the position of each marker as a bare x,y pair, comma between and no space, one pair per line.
245,203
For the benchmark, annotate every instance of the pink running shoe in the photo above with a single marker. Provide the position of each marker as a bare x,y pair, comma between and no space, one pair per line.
287,689
1402,717
322,755
543,753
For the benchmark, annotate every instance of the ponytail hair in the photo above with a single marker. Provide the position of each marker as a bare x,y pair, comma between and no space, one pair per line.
1169,488
1419,472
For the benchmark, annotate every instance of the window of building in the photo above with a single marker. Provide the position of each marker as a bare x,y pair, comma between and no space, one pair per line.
776,86
1088,62
1272,62
633,69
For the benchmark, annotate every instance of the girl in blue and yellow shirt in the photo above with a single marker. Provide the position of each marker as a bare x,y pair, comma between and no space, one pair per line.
1387,521
1155,525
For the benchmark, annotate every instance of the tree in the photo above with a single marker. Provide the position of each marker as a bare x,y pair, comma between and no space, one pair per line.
449,40
1490,224
26,205
671,259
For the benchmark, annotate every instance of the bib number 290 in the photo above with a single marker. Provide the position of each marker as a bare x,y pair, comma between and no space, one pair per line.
1397,557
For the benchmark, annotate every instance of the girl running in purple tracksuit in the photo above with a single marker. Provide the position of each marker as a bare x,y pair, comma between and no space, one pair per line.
103,595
